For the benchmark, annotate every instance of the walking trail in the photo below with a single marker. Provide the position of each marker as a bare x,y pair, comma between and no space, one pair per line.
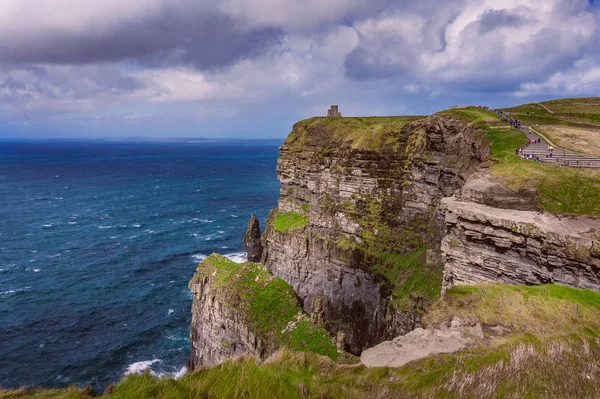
560,156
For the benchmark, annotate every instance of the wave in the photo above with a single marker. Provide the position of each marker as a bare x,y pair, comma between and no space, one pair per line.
140,367
11,291
198,257
237,257
180,373
106,227
146,365
47,225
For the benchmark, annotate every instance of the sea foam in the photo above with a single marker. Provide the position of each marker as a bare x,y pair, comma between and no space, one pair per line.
198,257
140,367
238,257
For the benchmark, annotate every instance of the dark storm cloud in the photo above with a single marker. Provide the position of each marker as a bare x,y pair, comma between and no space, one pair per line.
494,19
31,85
360,65
205,40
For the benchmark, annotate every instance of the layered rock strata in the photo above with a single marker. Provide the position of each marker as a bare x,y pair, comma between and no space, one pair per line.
490,244
370,200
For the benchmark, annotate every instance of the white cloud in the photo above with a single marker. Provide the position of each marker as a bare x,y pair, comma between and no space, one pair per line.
368,56
527,38
582,79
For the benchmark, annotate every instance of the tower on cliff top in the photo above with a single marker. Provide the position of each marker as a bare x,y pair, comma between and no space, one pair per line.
333,112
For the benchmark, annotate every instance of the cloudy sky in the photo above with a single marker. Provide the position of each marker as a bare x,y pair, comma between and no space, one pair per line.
251,68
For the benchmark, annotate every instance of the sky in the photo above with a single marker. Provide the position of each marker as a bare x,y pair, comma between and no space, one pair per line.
251,68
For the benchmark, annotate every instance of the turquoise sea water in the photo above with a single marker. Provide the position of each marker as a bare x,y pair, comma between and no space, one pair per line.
98,241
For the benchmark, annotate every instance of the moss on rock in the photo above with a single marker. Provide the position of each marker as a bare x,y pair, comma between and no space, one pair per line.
287,221
269,305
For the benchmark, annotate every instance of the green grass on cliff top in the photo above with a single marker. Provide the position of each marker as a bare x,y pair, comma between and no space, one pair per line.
359,133
561,111
267,302
542,310
287,221
550,348
560,190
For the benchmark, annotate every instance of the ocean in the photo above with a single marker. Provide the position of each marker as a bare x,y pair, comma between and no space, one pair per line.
98,241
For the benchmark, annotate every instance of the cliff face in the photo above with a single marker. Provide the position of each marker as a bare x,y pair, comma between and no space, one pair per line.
219,330
490,244
363,195
376,217
241,309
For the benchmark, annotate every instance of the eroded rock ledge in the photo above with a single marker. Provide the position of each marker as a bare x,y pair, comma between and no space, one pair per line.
490,244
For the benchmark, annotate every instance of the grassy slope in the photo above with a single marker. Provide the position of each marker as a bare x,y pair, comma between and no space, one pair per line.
552,350
560,190
360,133
269,303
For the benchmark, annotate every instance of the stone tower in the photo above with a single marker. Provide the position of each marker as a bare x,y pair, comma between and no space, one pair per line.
333,112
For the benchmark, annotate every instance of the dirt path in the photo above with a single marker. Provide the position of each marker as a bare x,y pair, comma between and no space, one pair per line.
546,108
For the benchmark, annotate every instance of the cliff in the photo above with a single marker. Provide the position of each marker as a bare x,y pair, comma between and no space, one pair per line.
487,244
359,226
241,309
378,216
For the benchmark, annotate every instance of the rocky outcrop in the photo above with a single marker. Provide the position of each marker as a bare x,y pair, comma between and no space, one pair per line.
219,331
373,234
252,240
241,309
420,343
490,244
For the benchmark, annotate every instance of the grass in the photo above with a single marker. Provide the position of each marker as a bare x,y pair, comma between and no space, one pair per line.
472,115
575,138
542,310
359,133
525,366
560,190
410,275
288,221
266,303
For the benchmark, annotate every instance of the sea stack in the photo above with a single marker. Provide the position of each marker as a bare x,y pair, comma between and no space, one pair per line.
252,242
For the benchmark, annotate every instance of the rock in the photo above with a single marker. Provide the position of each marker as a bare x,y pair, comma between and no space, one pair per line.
334,183
340,341
225,324
420,343
252,240
317,311
513,246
